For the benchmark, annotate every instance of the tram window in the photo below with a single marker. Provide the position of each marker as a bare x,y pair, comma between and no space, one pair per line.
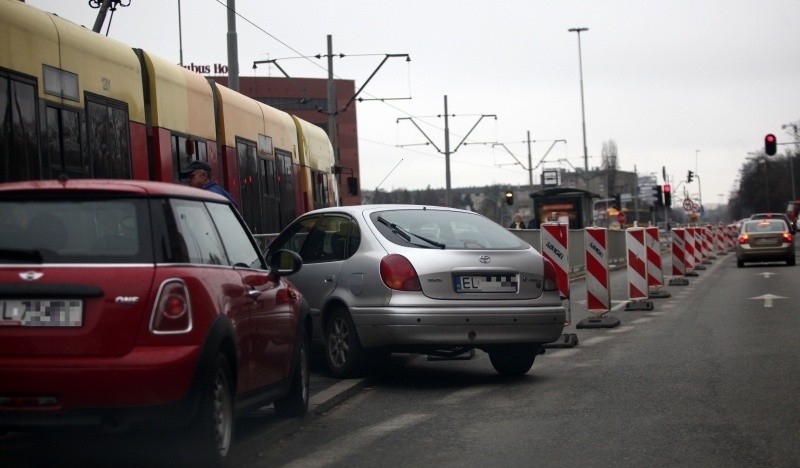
19,145
186,150
63,144
109,142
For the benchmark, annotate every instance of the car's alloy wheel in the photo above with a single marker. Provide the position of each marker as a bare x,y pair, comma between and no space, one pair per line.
295,403
343,350
212,432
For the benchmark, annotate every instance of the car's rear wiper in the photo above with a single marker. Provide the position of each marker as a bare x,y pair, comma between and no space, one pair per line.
407,234
20,255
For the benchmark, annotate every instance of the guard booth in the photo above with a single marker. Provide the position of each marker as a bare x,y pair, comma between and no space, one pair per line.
556,203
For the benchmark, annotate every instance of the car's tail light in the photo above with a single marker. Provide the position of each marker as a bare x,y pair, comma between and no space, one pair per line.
550,282
398,273
172,313
787,237
743,239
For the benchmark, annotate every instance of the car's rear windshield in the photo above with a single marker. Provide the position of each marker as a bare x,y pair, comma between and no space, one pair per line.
767,225
75,230
442,229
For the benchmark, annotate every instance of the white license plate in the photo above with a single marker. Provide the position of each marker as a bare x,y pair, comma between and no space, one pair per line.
41,313
486,284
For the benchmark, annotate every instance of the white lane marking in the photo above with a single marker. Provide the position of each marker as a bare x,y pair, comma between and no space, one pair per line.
455,398
561,353
345,447
642,320
595,340
621,329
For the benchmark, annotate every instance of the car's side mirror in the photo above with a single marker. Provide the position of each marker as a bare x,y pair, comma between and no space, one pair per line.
284,262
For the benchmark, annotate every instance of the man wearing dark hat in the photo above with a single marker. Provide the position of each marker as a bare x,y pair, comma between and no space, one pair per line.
198,174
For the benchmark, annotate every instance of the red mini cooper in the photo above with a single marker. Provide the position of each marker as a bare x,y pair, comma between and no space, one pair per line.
129,304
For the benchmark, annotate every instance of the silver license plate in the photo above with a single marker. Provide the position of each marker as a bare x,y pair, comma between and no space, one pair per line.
486,283
41,313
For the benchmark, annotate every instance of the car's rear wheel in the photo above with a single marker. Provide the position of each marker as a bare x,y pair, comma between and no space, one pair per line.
211,434
739,263
513,359
343,351
295,403
790,262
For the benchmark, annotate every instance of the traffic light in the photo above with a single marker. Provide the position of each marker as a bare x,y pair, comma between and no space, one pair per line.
689,176
770,144
352,186
509,198
657,196
617,202
667,195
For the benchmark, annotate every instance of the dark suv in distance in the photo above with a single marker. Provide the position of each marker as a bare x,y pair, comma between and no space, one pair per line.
136,305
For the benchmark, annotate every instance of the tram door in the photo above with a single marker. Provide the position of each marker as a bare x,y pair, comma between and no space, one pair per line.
283,163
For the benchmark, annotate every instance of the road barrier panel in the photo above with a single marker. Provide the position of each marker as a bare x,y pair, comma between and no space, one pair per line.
721,240
555,248
598,293
655,274
708,253
638,290
678,258
695,240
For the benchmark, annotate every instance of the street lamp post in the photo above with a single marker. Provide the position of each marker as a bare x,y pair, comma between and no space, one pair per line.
583,112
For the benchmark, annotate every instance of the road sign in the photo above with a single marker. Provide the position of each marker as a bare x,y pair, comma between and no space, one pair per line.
687,204
621,217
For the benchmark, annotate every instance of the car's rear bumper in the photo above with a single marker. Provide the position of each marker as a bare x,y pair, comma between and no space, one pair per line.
409,326
148,384
783,252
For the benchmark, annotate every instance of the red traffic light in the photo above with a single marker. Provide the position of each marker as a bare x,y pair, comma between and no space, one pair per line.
667,188
770,144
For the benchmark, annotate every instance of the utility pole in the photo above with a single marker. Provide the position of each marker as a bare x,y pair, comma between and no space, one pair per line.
333,131
332,110
447,152
530,162
233,48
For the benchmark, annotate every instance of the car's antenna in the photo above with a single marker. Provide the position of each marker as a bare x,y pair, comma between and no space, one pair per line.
382,181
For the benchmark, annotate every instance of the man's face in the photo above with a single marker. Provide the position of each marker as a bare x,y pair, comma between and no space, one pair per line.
198,178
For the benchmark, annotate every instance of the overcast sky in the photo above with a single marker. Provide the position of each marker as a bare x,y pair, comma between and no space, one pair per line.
685,84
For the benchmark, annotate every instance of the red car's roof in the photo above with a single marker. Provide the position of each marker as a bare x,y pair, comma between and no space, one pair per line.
141,187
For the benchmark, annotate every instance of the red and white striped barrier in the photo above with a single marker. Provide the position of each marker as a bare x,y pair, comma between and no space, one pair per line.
554,248
708,233
697,242
678,258
691,258
655,274
637,270
731,232
598,294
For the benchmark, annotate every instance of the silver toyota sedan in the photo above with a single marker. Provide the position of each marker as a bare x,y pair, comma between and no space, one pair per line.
421,279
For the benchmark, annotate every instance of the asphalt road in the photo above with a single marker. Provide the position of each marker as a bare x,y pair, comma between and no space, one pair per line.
708,377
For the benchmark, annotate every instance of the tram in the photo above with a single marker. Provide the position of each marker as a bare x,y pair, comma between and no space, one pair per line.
79,104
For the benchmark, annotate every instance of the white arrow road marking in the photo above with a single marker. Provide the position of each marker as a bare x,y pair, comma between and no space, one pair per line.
767,298
767,274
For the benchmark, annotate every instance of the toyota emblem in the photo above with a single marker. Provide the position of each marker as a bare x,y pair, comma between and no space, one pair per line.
484,259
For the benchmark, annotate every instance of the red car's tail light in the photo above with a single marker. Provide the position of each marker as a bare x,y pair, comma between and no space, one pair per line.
398,273
550,281
787,237
172,313
743,238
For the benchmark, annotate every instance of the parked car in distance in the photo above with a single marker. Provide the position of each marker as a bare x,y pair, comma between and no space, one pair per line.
765,240
137,305
421,279
780,216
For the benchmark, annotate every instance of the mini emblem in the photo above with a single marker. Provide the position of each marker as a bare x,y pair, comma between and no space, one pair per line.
31,275
484,259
